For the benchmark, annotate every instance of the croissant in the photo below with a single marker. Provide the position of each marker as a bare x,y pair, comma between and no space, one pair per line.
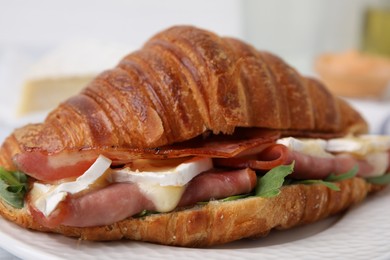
185,83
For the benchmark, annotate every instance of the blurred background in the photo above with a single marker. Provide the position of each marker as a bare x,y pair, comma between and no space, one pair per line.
48,49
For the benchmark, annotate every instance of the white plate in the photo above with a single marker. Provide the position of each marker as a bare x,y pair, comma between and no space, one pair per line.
361,233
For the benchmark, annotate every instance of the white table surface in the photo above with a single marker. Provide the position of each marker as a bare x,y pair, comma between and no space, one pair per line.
4,255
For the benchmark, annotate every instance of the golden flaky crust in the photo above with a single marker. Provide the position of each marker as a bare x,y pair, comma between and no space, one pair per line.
220,222
183,82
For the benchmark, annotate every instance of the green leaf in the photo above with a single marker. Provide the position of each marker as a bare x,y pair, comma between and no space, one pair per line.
381,180
13,186
145,213
329,181
230,198
8,177
269,185
344,176
15,199
235,197
21,177
328,184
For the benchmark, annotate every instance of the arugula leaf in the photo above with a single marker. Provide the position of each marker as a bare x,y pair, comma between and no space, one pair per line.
145,213
340,177
383,179
13,186
235,197
269,185
328,184
329,181
230,198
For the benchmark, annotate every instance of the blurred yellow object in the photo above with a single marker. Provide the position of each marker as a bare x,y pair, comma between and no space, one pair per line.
355,74
376,31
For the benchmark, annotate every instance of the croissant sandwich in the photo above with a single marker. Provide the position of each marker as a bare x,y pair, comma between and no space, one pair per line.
194,140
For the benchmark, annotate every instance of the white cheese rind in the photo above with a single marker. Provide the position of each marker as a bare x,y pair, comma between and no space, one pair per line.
48,196
361,145
176,176
315,147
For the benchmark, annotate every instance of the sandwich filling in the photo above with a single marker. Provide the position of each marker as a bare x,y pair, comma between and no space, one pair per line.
114,188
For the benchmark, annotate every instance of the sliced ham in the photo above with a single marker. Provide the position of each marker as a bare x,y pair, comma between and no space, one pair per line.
218,185
310,167
106,206
306,166
72,163
122,200
46,168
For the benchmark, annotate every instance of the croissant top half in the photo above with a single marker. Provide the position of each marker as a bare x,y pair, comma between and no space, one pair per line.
183,82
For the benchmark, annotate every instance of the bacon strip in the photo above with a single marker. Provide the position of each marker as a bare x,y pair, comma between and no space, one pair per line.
271,157
72,163
122,200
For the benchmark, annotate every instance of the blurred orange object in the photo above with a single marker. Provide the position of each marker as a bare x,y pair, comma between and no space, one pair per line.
355,74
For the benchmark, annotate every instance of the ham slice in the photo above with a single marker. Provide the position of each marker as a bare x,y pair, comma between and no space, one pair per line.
122,200
306,166
73,163
116,202
218,185
46,168
310,167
